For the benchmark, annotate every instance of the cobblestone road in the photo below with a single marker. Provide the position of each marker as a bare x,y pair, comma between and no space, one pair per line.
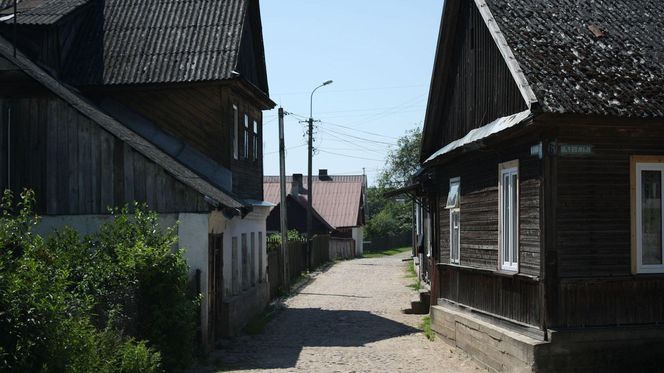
349,319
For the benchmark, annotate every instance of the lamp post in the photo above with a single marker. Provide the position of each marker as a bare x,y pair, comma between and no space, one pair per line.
310,185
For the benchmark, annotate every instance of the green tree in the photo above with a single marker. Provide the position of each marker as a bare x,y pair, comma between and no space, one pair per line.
391,218
403,161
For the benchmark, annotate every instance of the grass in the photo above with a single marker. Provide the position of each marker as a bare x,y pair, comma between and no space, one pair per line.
411,274
385,252
425,325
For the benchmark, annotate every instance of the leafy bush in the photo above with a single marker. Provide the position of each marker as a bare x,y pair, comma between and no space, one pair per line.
274,240
116,301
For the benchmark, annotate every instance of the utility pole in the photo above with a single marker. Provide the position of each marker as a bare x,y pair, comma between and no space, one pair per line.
310,188
310,184
282,208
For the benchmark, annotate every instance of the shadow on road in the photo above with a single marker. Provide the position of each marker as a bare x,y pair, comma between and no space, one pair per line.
286,336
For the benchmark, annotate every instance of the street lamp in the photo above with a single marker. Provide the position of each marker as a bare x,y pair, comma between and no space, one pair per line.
310,185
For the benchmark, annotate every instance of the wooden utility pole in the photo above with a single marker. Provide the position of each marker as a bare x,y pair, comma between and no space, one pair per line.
310,188
282,208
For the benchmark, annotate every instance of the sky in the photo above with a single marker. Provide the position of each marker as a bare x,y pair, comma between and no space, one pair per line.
380,55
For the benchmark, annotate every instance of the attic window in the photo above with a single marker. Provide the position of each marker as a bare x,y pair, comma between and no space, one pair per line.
453,195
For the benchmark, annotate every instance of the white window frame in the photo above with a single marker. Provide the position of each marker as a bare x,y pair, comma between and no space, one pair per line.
455,209
507,260
236,123
246,137
255,141
640,164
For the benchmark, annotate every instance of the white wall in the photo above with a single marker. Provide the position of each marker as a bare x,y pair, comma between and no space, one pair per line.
235,227
193,238
358,236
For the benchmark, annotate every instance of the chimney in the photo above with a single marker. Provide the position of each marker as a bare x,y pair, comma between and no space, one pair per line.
322,174
296,185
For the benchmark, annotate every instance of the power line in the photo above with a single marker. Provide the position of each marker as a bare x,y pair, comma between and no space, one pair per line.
360,138
351,156
354,90
362,131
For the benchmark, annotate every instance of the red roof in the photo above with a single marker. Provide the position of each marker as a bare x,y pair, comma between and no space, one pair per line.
338,199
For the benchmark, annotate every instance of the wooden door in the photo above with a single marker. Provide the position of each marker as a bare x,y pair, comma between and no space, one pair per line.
215,286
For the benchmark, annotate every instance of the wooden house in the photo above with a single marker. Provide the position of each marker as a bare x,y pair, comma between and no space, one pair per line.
338,200
103,103
542,171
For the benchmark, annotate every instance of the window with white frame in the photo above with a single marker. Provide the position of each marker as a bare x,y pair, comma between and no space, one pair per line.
453,204
245,149
648,214
255,140
236,123
509,216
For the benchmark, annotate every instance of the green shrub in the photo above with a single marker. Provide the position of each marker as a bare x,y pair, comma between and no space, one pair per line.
116,301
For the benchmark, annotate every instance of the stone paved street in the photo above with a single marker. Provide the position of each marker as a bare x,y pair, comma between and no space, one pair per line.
349,319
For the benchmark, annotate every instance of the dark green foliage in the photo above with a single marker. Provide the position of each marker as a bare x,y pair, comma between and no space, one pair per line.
389,217
116,301
274,240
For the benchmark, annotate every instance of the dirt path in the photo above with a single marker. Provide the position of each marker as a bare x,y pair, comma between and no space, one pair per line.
349,319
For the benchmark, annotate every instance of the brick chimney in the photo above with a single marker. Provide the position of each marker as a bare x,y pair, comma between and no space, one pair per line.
322,174
296,185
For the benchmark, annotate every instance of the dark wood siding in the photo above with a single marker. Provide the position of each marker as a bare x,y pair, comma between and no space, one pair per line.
512,297
247,173
76,167
593,196
479,209
196,115
477,88
589,259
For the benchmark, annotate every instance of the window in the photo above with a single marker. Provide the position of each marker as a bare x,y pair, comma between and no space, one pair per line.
647,214
255,142
455,220
236,123
509,216
235,280
252,263
245,263
245,149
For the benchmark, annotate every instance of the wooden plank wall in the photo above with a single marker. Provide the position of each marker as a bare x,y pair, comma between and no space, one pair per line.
75,167
479,209
197,115
515,298
480,87
247,173
592,243
593,201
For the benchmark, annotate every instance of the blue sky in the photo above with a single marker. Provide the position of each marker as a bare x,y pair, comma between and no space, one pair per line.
379,54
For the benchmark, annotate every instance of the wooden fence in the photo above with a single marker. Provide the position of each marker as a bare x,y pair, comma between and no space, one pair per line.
297,260
342,248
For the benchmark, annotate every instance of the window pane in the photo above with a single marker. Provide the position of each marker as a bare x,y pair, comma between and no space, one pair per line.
506,218
453,196
651,217
514,207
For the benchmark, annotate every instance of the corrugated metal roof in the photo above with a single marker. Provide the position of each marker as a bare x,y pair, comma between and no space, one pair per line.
40,12
153,41
337,200
596,57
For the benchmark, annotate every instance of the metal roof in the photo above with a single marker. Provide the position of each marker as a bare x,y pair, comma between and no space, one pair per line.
602,57
336,198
